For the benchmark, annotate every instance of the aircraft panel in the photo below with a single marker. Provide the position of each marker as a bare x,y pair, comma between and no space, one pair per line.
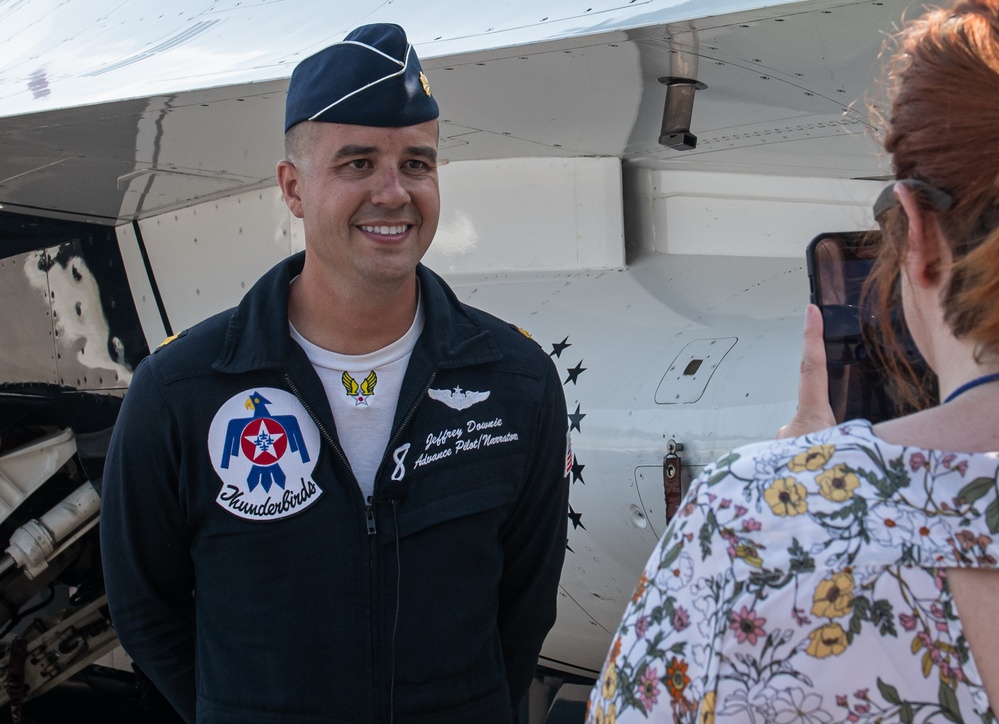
146,304
530,213
591,637
28,351
649,480
206,257
747,214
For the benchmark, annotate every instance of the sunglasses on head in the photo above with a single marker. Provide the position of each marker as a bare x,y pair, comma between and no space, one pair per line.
940,200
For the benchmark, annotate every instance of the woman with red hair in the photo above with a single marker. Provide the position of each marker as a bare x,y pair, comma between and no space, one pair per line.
848,572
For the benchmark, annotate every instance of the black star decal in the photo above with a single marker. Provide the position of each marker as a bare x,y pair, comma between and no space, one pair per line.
567,546
576,519
559,347
575,418
577,470
574,372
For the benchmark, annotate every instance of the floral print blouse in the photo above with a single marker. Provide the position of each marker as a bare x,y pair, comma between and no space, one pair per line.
803,580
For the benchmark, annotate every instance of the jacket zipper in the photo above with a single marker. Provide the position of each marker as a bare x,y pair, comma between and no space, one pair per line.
369,505
326,435
405,422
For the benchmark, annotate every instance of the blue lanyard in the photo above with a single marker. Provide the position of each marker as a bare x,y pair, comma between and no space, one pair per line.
984,379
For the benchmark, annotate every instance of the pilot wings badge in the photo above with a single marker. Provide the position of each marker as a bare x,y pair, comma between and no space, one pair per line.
360,392
458,399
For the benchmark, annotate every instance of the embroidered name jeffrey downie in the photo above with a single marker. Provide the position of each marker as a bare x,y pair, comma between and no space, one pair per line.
265,460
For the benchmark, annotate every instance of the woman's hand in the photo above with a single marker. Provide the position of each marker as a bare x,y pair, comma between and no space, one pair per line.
814,411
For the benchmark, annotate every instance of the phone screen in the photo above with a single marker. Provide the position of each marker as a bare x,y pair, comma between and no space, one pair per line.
859,384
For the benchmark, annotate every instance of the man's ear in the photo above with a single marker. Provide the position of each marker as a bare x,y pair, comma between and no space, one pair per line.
928,253
289,179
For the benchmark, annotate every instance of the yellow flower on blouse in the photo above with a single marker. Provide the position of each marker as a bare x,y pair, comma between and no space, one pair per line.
605,716
707,715
834,596
837,484
786,496
609,687
827,640
812,459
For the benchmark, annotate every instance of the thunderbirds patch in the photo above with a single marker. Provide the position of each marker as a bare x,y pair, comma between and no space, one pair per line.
265,459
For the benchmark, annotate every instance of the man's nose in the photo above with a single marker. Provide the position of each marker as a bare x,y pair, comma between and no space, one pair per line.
388,189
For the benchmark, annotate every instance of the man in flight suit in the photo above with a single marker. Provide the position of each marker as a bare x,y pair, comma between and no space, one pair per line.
345,499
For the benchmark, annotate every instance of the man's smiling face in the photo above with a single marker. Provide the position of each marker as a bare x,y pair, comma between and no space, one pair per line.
368,197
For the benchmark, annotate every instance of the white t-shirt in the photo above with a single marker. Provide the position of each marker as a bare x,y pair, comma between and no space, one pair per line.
363,391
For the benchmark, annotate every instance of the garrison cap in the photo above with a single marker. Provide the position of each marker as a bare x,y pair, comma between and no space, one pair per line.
371,78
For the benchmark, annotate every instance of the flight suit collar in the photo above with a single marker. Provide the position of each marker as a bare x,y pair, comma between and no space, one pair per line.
258,334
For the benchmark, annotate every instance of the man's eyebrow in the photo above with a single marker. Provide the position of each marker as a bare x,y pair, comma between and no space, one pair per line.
353,149
427,152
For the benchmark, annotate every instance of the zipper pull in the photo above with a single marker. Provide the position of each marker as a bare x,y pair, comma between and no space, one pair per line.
369,516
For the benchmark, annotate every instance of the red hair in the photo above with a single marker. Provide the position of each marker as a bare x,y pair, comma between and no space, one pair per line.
944,130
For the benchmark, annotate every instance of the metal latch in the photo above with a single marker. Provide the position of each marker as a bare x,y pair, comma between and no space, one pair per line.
671,478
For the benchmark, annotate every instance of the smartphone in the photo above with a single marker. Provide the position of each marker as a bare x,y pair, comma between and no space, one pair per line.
859,383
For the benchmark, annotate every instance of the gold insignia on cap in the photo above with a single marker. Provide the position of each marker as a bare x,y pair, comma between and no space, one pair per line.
425,81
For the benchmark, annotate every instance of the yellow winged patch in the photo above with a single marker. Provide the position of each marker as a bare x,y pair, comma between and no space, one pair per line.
349,383
368,386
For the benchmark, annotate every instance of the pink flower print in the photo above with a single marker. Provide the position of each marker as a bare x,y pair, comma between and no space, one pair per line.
853,717
648,688
751,524
936,655
712,497
948,461
863,708
726,503
740,511
841,700
949,671
941,617
799,616
918,460
747,626
681,619
860,694
908,622
642,626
